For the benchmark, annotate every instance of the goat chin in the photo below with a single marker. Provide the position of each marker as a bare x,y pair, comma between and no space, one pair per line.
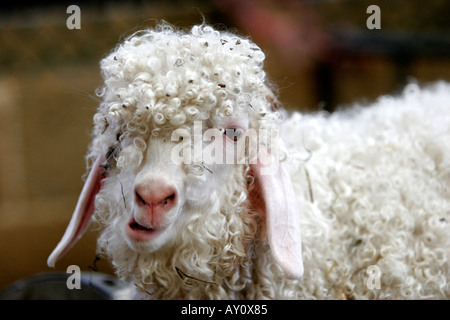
354,204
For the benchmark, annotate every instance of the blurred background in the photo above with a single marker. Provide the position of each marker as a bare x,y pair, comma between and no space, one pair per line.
319,53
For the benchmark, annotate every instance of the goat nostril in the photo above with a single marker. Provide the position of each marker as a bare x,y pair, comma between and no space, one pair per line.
169,198
140,199
166,201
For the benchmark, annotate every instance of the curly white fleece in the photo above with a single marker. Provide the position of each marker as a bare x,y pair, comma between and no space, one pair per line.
373,183
160,79
375,191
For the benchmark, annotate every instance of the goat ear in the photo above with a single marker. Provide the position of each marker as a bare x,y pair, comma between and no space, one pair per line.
273,198
82,215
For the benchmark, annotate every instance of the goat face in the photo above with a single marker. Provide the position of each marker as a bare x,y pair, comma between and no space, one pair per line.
170,187
161,86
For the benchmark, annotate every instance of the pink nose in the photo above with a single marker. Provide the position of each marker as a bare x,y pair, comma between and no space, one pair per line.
156,198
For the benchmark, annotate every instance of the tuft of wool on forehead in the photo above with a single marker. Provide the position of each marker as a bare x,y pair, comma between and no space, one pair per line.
165,78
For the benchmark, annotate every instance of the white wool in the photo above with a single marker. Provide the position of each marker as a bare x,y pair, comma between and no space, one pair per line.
379,176
160,79
373,182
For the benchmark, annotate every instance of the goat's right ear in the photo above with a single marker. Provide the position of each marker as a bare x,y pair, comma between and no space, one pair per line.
83,213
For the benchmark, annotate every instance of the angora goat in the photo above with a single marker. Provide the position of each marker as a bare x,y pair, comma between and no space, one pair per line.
192,205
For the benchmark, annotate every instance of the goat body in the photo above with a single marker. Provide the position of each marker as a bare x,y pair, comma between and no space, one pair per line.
354,204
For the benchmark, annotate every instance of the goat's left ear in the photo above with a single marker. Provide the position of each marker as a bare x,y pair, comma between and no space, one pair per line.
83,213
273,198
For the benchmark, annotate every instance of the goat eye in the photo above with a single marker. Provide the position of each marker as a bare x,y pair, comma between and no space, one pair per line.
232,133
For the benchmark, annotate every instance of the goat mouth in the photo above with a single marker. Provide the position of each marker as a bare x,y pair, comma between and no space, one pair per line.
138,227
138,232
